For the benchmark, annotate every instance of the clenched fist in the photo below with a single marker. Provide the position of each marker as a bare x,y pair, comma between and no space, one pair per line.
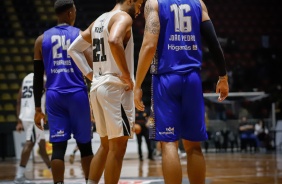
38,118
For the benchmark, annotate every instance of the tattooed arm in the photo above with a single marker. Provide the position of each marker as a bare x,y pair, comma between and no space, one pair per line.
148,48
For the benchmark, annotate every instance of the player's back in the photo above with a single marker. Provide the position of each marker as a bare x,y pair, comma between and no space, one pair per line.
103,59
103,62
62,73
179,45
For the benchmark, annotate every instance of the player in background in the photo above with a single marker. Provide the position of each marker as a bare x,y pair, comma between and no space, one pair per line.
25,113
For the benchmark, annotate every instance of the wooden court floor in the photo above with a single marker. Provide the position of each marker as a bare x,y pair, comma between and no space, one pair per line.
222,168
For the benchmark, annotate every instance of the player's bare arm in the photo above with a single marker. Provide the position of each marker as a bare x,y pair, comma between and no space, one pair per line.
19,126
205,15
148,48
119,32
86,35
89,56
152,25
38,48
150,40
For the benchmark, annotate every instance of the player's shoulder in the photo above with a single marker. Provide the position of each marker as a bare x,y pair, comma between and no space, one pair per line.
40,37
122,14
73,27
49,29
203,5
74,30
28,77
39,40
121,17
154,3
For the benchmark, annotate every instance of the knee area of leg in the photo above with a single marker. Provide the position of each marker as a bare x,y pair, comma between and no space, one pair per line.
85,149
59,150
42,144
29,144
192,148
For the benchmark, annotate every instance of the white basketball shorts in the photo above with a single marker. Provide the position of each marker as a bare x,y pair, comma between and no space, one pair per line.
33,133
113,110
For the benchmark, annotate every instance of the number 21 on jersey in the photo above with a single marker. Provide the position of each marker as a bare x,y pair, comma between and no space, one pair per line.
99,50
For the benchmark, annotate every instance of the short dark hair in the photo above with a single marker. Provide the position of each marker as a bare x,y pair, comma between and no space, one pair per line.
61,6
121,1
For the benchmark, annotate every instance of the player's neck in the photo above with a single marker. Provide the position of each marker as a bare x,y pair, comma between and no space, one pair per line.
62,23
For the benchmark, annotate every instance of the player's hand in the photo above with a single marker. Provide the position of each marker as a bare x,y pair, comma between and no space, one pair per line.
222,88
128,82
38,118
89,76
19,126
92,117
138,99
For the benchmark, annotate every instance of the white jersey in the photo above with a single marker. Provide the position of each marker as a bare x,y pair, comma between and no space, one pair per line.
105,68
27,109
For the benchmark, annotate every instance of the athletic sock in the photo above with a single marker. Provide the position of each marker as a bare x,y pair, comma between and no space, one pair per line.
20,172
90,181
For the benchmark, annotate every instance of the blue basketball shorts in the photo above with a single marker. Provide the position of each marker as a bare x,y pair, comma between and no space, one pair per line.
177,108
68,113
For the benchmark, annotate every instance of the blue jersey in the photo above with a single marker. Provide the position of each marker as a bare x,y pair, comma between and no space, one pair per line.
179,46
62,73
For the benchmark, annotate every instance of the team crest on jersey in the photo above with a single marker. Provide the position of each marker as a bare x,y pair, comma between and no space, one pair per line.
168,130
195,47
59,133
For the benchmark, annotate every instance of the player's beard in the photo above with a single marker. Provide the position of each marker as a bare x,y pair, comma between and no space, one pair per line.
132,12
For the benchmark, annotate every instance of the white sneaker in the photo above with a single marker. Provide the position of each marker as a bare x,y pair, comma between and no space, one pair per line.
22,180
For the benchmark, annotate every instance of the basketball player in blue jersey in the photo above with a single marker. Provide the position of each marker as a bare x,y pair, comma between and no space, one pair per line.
67,102
173,31
112,82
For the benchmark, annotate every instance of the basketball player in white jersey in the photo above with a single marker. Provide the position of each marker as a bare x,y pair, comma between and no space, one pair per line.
112,82
25,112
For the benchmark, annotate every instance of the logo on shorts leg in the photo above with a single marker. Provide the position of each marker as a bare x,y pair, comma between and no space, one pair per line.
59,133
169,130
